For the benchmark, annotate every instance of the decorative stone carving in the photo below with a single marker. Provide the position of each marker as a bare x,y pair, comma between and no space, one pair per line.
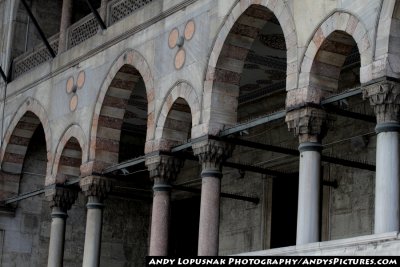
96,186
308,123
164,168
384,97
61,197
212,153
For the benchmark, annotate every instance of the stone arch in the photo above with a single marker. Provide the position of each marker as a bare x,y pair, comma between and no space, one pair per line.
72,137
27,127
342,22
17,138
284,16
386,53
182,93
137,61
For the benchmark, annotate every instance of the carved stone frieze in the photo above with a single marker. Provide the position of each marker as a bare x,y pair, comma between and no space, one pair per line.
61,197
308,123
96,186
384,97
212,153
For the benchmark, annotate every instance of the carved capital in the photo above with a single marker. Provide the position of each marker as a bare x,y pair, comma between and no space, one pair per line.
384,97
96,186
308,123
61,197
163,168
212,153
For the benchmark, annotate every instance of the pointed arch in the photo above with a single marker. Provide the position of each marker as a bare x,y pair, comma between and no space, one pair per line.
182,94
282,13
137,61
19,128
73,132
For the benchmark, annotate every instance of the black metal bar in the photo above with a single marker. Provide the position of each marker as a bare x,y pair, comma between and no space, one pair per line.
272,148
96,15
254,200
348,163
350,114
3,75
42,35
252,168
24,196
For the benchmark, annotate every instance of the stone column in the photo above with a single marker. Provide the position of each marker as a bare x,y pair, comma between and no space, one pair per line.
308,124
384,97
61,200
211,155
66,14
96,189
163,170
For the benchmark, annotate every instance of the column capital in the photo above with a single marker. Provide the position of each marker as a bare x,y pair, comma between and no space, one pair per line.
212,153
96,186
308,123
61,197
163,168
384,97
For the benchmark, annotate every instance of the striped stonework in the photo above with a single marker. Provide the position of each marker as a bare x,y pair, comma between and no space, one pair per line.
326,53
129,71
231,50
14,155
70,160
112,114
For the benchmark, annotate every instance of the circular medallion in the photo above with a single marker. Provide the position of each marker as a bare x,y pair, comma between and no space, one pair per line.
189,30
173,38
73,103
70,85
180,58
81,79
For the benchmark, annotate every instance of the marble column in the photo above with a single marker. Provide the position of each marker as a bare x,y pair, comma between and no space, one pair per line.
384,97
211,155
66,15
163,170
96,189
308,124
61,200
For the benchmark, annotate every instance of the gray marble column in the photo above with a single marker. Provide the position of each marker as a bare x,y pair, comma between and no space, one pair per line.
309,124
61,200
211,156
384,97
163,170
96,189
66,15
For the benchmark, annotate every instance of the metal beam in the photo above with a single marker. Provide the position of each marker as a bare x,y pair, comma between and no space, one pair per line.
294,152
254,200
96,15
350,114
24,196
42,35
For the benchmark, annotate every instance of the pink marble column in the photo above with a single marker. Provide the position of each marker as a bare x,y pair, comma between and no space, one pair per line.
211,156
160,219
66,15
163,170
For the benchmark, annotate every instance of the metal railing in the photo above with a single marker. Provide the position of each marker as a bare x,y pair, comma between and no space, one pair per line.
77,33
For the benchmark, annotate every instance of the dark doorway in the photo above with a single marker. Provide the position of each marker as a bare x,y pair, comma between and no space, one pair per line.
185,215
284,211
